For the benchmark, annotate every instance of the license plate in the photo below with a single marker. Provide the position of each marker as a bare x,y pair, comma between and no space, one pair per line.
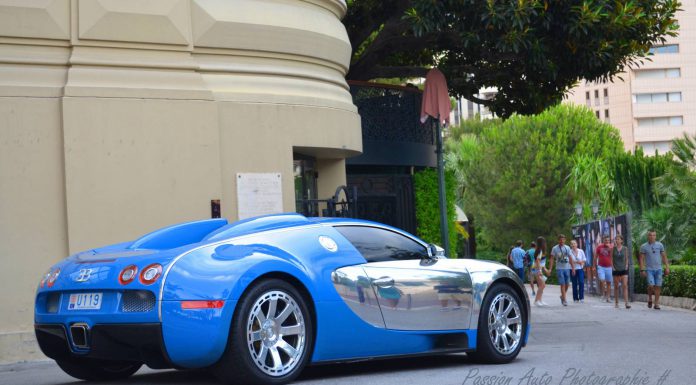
85,301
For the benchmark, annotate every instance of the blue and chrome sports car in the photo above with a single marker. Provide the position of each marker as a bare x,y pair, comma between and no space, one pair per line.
259,299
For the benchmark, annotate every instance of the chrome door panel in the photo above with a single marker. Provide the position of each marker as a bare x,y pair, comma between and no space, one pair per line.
425,294
356,290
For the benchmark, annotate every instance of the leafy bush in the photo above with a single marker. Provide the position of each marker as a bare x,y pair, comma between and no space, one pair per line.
514,181
428,207
681,282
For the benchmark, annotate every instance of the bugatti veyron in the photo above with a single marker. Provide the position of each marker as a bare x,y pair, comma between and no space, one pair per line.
258,300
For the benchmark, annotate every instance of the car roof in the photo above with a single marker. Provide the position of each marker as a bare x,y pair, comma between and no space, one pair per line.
286,220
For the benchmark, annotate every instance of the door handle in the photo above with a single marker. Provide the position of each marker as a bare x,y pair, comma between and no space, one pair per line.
383,282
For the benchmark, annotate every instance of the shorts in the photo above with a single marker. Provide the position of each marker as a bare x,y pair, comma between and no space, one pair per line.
563,276
619,273
604,273
655,277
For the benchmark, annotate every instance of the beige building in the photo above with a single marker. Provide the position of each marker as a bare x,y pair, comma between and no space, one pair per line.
656,101
121,116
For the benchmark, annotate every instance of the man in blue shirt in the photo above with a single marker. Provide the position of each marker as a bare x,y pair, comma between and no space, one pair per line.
652,257
517,259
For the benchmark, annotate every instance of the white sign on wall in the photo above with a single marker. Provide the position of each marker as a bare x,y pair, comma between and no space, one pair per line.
259,194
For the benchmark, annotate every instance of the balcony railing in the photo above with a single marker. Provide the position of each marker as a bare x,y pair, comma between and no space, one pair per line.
390,113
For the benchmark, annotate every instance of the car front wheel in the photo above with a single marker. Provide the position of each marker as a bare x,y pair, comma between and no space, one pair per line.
271,336
501,328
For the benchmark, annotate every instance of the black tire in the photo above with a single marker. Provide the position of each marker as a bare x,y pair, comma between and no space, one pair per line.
244,361
495,345
89,369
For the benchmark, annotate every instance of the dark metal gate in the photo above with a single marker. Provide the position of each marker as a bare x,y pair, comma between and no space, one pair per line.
386,198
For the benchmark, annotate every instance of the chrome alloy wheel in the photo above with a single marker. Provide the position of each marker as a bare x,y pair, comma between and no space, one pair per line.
505,323
276,333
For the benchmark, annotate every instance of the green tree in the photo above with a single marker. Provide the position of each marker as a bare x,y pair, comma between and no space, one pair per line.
622,182
532,51
675,217
516,184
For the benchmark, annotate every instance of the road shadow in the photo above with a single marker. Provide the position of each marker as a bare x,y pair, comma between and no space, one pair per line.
377,366
317,372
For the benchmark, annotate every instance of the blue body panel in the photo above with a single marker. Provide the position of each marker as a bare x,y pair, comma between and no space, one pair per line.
208,260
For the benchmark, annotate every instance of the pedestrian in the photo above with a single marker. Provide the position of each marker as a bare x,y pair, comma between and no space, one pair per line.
529,257
603,266
652,257
619,258
517,259
560,254
577,259
539,270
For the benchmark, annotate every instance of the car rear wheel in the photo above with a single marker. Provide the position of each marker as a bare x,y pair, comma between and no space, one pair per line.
501,327
98,370
271,336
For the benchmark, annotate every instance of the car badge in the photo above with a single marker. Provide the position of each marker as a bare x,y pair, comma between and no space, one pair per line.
328,243
83,275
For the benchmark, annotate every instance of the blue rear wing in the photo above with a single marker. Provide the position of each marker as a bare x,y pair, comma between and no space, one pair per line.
178,235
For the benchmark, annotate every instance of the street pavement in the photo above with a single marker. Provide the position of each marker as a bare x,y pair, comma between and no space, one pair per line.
581,344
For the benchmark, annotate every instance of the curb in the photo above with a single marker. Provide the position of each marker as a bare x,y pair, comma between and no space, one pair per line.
666,300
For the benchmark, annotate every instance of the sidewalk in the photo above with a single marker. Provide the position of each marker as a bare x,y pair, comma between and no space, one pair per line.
552,295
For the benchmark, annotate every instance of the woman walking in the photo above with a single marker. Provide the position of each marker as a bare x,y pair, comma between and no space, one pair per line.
619,255
577,277
539,270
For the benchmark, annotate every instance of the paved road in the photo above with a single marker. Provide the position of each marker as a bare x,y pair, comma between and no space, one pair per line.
582,344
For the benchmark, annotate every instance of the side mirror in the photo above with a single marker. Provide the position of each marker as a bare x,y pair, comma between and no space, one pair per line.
432,251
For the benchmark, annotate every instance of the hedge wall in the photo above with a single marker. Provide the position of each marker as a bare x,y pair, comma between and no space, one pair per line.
681,282
428,207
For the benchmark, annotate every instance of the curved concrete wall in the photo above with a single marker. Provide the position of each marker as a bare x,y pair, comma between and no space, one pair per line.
119,116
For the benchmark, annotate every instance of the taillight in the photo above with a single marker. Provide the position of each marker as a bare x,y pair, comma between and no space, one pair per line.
52,277
44,279
128,274
150,274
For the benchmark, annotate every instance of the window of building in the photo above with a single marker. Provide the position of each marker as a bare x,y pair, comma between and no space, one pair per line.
596,97
587,99
660,73
667,48
597,114
676,121
657,97
650,148
377,245
661,121
606,115
673,72
606,96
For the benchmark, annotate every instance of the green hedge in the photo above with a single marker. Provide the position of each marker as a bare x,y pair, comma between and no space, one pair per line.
428,207
681,282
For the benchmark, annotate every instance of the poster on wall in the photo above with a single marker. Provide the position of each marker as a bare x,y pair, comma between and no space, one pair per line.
621,224
259,194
